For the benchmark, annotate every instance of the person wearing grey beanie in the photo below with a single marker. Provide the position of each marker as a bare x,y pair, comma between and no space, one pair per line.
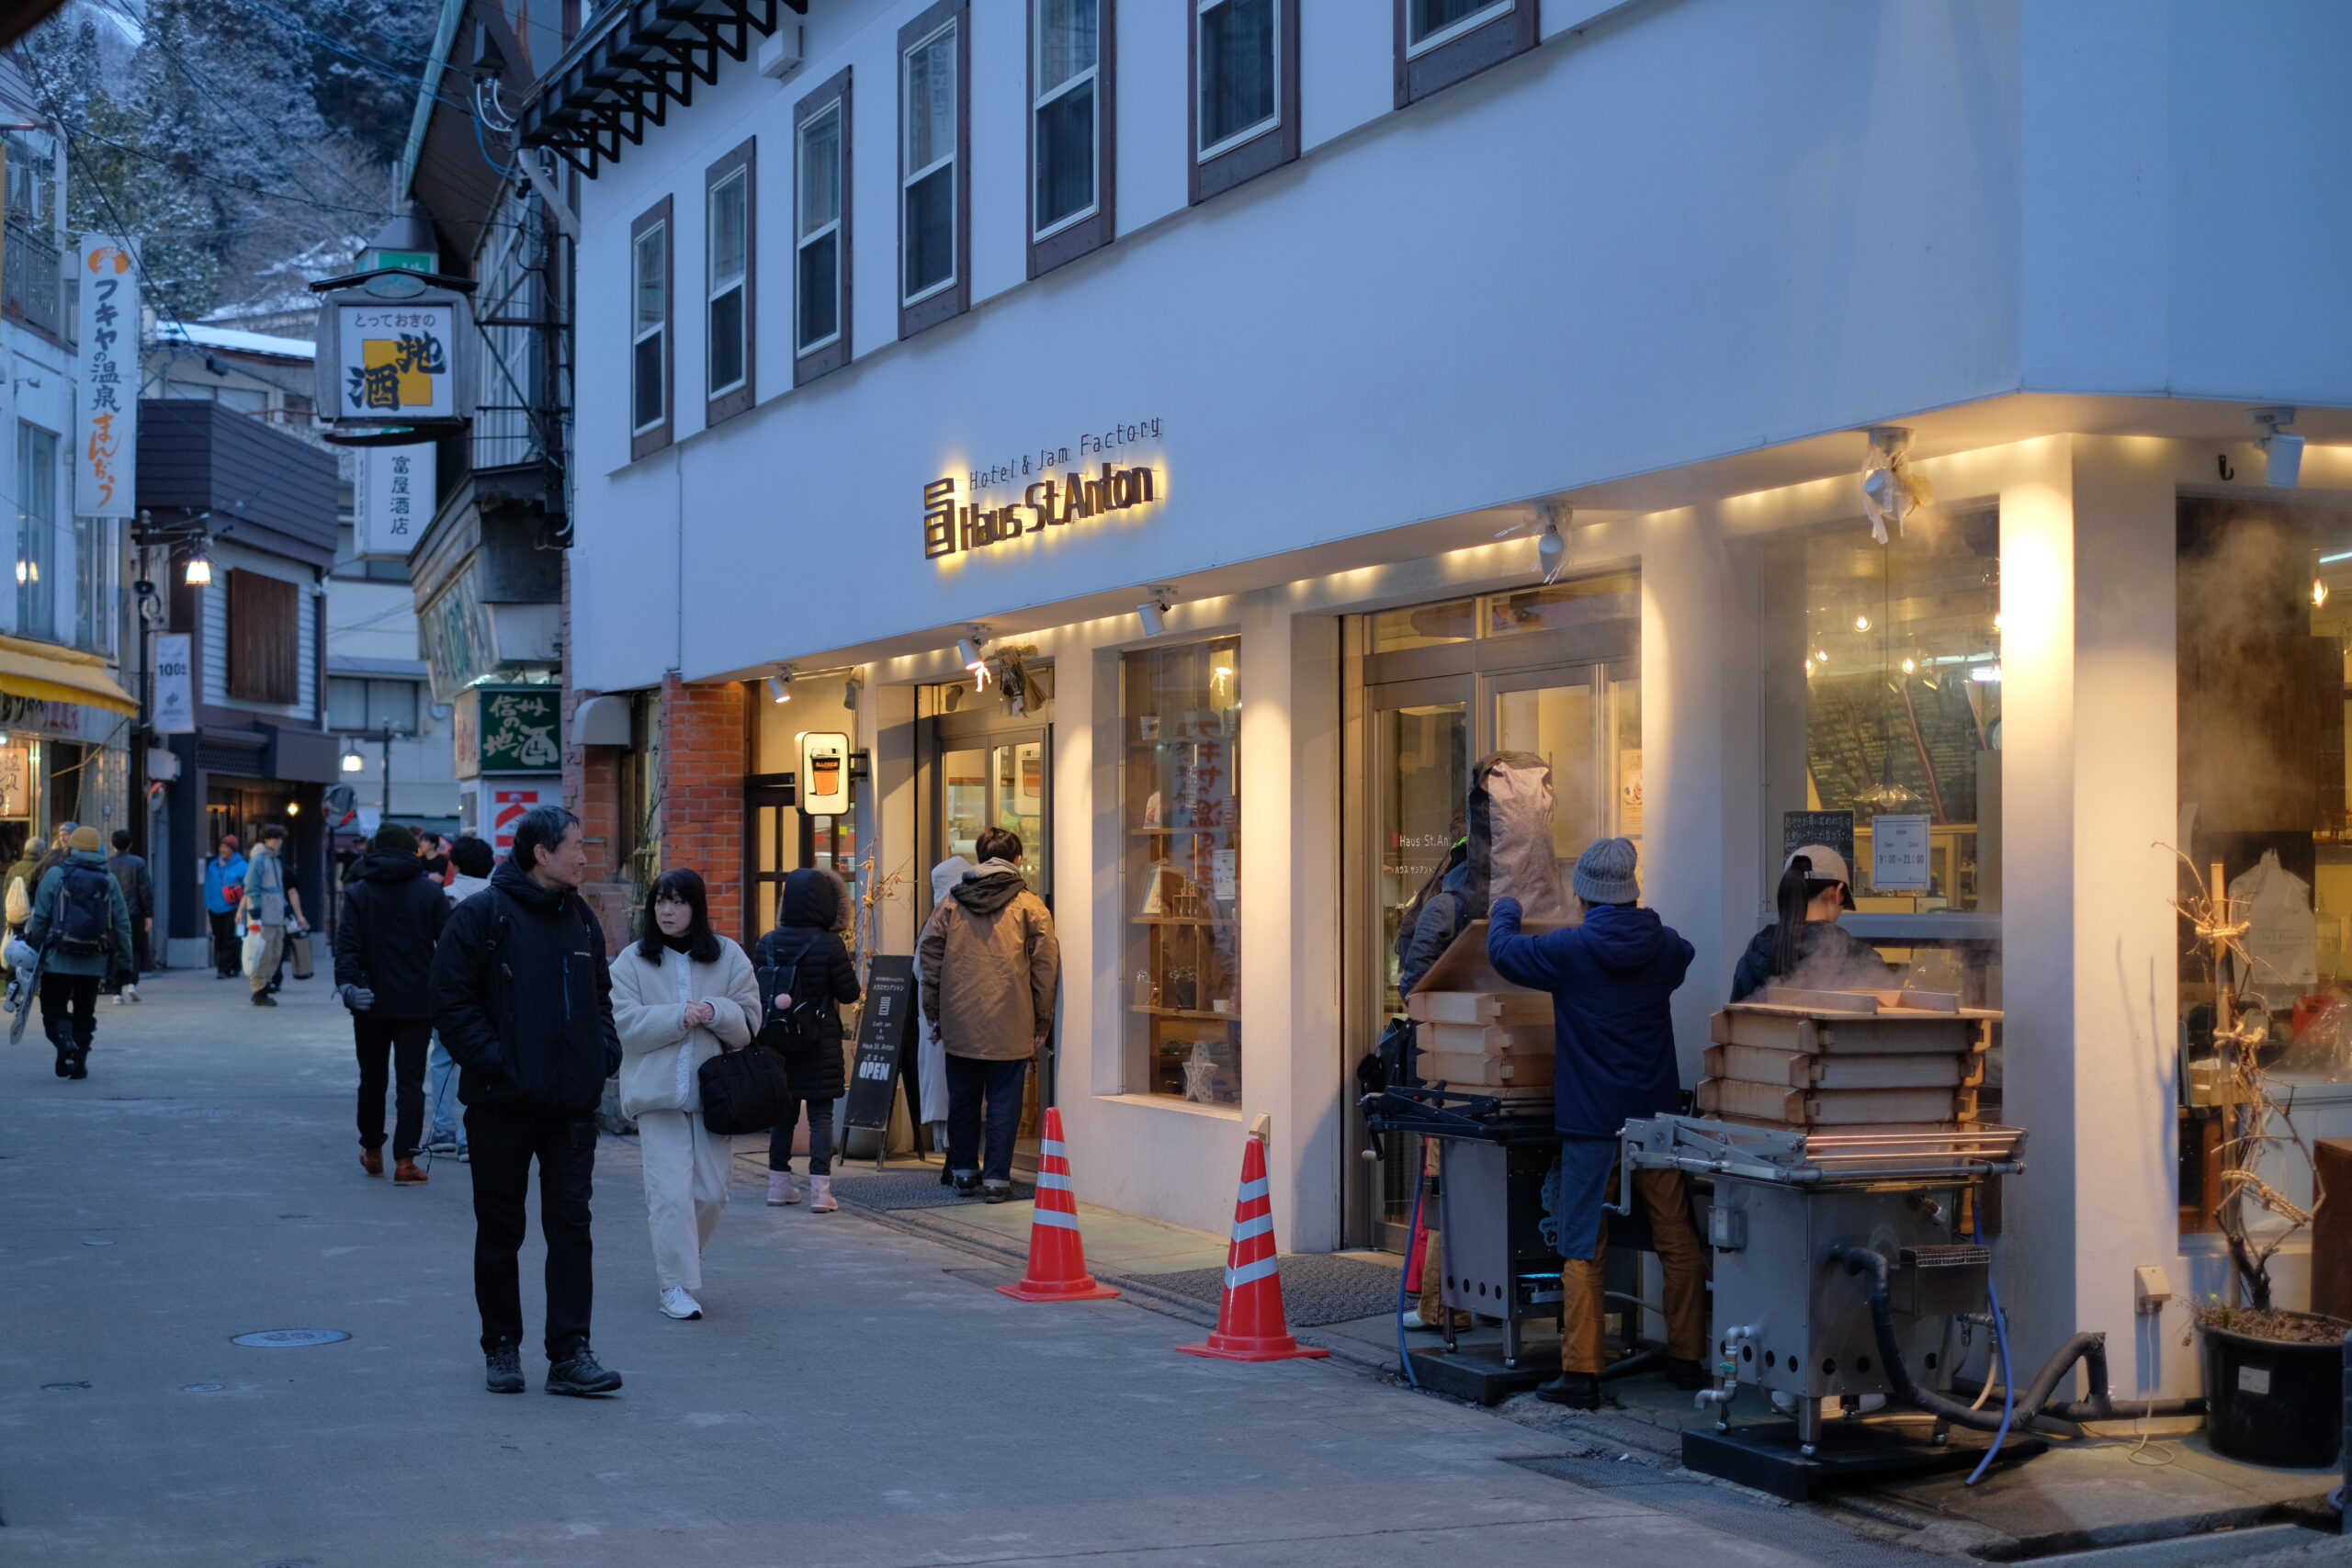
1612,978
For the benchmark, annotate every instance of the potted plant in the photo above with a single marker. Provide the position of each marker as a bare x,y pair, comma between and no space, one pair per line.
2273,1377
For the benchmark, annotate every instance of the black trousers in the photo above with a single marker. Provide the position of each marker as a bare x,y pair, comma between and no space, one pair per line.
503,1143
402,1041
78,993
226,957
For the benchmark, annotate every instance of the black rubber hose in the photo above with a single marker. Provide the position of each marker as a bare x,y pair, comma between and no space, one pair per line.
1864,1260
2034,1404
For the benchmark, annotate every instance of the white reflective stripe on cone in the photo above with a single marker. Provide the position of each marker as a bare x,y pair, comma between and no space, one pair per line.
1253,1190
1047,1181
1057,1219
1053,1149
1249,1272
1244,1229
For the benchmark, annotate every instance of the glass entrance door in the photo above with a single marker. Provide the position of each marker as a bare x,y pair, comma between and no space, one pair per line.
1586,722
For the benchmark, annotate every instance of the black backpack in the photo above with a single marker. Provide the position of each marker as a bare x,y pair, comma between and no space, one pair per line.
811,1020
85,911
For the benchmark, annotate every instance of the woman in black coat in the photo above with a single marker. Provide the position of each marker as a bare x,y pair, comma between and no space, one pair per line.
806,970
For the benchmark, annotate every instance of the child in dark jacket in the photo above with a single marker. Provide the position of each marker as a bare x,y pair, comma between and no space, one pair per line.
804,960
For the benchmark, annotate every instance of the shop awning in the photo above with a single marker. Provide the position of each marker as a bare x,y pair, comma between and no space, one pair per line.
47,673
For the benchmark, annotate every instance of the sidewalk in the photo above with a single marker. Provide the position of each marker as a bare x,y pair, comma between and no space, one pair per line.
855,1396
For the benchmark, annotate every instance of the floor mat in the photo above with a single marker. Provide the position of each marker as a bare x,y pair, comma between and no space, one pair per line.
903,1189
1317,1287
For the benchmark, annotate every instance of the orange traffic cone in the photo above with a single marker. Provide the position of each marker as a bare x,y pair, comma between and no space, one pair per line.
1057,1256
1250,1322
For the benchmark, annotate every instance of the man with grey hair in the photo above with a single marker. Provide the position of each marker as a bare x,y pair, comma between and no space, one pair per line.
1612,978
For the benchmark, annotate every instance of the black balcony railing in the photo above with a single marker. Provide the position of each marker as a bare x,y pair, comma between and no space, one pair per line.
32,281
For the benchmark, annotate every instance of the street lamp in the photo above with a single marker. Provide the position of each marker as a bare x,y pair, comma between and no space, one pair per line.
199,567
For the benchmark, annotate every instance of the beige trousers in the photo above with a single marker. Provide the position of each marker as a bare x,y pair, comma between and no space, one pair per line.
1666,1199
264,970
686,1190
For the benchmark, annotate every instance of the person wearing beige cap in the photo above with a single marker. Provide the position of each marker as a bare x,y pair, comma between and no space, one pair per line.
80,925
1806,941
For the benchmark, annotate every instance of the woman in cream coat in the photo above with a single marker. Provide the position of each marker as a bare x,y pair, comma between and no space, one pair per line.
681,994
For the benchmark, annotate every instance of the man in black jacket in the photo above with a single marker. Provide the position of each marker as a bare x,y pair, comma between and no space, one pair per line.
139,892
393,916
523,999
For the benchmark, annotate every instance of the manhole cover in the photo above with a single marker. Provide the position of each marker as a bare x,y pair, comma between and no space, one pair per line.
293,1216
200,1388
287,1562
96,1241
281,1338
64,1387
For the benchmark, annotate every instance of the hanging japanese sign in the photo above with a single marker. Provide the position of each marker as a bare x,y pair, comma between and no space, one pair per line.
106,444
175,709
393,499
394,360
521,728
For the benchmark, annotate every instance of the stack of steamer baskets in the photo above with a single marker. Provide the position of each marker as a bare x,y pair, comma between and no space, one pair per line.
1809,1058
1478,1033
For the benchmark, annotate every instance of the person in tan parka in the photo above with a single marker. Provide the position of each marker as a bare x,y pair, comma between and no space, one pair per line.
989,964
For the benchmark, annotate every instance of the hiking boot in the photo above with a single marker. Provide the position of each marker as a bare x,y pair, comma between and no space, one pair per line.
782,1189
579,1374
264,999
996,1192
505,1369
1578,1391
821,1195
372,1161
405,1174
677,1304
80,1066
1688,1376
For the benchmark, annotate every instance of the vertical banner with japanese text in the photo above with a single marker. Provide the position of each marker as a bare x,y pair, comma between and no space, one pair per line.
106,442
392,499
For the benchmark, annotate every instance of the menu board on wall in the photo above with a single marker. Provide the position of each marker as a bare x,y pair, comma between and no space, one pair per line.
1832,829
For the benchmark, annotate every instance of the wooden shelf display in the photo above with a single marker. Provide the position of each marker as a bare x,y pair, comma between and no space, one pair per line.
1180,716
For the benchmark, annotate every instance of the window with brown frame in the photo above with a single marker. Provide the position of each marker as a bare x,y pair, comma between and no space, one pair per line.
821,231
651,358
1439,42
1073,123
730,283
1244,104
935,160
265,639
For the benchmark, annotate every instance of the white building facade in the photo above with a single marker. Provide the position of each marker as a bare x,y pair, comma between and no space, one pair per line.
1330,310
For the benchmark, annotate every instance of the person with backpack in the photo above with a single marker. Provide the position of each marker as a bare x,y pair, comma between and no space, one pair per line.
522,995
392,920
81,926
682,994
138,891
224,889
805,974
989,964
473,860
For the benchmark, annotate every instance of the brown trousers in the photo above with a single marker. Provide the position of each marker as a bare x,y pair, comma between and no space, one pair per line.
1666,1199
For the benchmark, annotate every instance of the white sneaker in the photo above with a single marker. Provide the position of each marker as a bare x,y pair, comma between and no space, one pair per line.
821,1195
676,1303
782,1189
119,998
132,992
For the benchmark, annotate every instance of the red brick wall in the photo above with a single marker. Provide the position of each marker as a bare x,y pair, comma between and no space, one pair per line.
704,746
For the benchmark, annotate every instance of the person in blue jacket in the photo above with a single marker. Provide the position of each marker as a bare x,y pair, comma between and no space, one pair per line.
225,870
1611,979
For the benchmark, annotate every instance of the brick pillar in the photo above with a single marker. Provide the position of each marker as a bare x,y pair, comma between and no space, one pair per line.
704,750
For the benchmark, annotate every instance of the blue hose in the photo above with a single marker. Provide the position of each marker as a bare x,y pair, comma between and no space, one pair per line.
2000,1341
1420,1187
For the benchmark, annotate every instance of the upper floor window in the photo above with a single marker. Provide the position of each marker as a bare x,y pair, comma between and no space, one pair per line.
1439,42
36,532
355,702
1070,130
821,231
1245,91
650,356
730,278
934,136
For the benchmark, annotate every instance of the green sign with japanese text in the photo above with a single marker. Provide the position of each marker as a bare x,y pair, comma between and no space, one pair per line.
521,728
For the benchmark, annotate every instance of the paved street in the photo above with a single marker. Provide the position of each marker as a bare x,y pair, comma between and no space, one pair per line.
852,1398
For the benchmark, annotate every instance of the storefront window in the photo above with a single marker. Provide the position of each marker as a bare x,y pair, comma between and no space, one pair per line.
783,838
1579,602
2265,617
1180,718
1424,626
1892,674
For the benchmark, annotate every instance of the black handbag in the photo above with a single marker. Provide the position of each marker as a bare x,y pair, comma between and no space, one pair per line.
742,1091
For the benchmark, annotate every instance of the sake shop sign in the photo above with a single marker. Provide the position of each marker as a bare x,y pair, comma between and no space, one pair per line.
1054,487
